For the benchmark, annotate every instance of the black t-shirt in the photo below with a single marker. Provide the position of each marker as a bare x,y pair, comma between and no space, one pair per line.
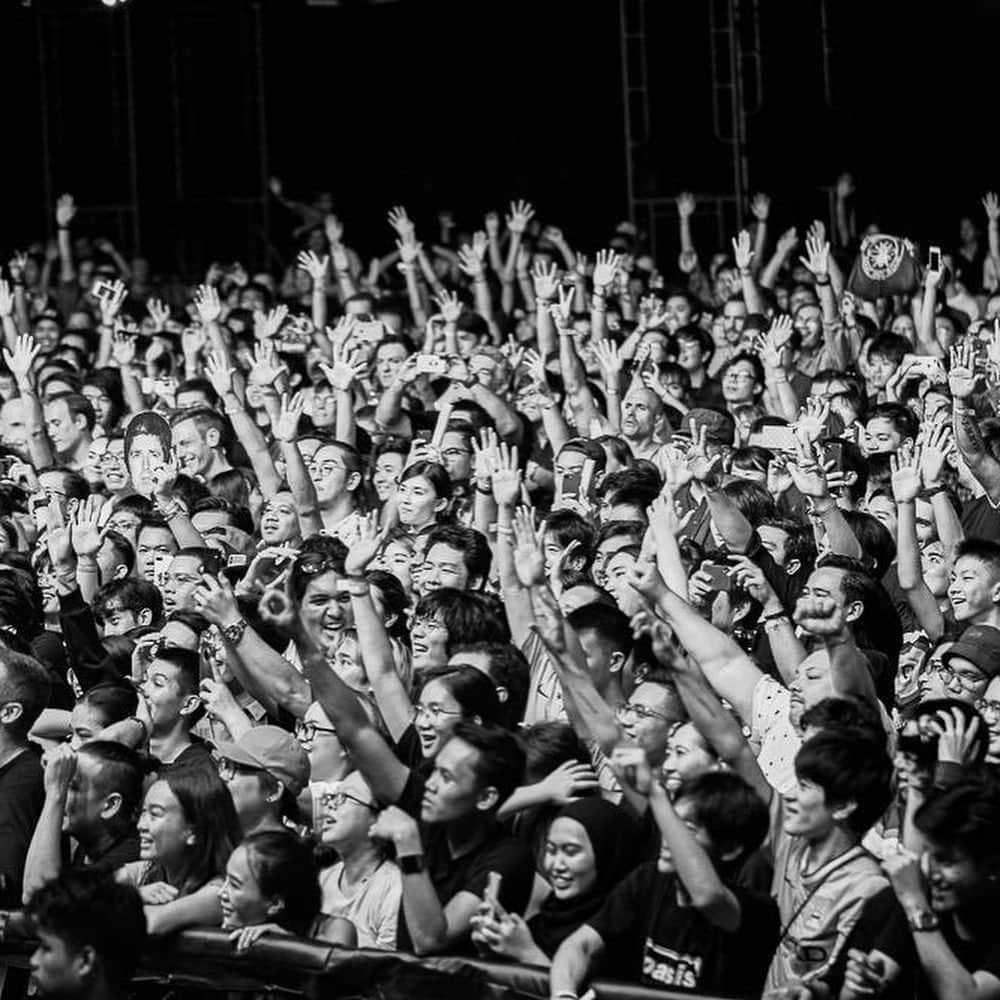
469,873
980,519
120,852
709,395
22,794
883,926
651,939
197,754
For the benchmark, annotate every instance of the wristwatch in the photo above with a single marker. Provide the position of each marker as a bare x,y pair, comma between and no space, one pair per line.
234,633
922,919
411,864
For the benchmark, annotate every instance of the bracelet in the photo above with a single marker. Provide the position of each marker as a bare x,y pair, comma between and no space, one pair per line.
612,392
774,616
823,281
232,410
933,492
503,529
487,490
411,864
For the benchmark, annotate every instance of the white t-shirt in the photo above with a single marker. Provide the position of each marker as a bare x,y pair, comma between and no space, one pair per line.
373,906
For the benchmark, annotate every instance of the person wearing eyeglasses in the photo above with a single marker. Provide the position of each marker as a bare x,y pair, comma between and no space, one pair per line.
989,708
364,886
266,769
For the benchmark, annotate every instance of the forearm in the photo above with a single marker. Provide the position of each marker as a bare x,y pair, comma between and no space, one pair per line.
545,329
751,293
303,491
424,915
786,647
319,305
268,676
10,332
505,419
849,670
949,979
390,406
200,909
88,576
67,270
413,294
555,426
614,398
772,269
179,521
571,962
949,525
132,390
43,861
908,565
254,443
729,520
380,665
781,391
839,534
346,427
483,298
39,449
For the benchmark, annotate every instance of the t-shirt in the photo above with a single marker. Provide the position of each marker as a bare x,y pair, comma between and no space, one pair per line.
652,939
450,875
22,794
981,518
818,908
373,905
196,753
119,853
772,731
545,697
883,926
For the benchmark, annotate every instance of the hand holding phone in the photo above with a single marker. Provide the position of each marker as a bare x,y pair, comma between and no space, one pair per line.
718,575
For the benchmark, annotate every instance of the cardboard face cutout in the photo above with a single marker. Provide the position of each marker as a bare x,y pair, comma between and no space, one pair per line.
147,447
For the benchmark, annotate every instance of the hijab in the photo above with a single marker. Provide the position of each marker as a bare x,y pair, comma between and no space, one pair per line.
613,836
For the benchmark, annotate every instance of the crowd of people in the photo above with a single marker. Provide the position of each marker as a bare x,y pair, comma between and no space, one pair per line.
624,617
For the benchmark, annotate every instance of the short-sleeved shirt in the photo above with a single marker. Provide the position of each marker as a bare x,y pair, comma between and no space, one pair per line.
372,907
818,908
117,854
652,939
883,926
450,875
545,697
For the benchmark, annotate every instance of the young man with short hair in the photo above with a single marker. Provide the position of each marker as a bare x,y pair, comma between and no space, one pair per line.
455,556
91,933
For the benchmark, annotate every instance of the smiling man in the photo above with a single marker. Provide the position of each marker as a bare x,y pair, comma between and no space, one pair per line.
199,441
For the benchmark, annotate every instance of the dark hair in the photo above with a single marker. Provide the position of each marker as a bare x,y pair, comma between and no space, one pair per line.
472,544
202,385
801,543
845,714
754,362
549,744
136,503
394,602
751,458
189,619
130,594
206,419
466,616
434,473
981,549
89,908
239,516
188,664
124,553
500,762
73,484
317,555
284,865
753,500
849,768
121,770
618,447
78,406
471,688
904,421
732,813
568,526
965,816
610,624
875,540
890,346
210,560
508,669
109,382
589,448
235,486
630,487
692,331
208,809
24,680
113,701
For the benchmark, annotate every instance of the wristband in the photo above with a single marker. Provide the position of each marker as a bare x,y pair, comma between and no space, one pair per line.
823,281
488,490
232,410
933,492
234,633
774,616
411,864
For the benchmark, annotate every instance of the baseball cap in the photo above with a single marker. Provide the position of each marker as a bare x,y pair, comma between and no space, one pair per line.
721,427
979,644
270,749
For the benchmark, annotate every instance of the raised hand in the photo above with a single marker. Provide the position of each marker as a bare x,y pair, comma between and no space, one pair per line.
86,535
159,313
605,269
287,427
685,204
813,416
365,546
936,443
16,265
6,299
554,235
520,214
751,577
110,307
788,241
807,473
962,377
400,221
215,599
701,467
505,474
266,367
341,333
760,207
546,281
123,349
58,538
449,305
208,304
220,373
991,205
742,250
334,230
65,210
21,359
817,259
342,373
314,265
608,356
271,324
528,559
164,477
562,311
845,186
821,616
408,252
193,340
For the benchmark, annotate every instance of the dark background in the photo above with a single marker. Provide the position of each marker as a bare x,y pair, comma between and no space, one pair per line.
466,104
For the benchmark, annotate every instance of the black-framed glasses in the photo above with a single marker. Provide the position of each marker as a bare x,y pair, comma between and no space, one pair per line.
306,732
987,706
229,769
640,712
334,800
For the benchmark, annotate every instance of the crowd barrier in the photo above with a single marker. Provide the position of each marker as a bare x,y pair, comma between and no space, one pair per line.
203,960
